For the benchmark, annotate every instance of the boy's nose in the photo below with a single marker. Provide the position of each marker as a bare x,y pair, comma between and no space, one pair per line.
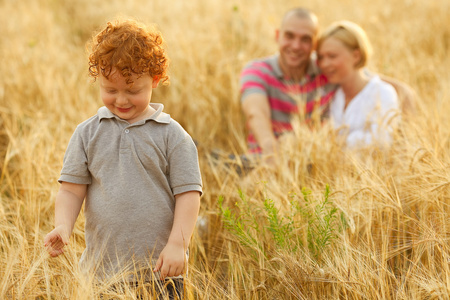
121,99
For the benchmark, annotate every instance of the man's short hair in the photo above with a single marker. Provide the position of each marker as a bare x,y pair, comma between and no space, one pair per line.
301,12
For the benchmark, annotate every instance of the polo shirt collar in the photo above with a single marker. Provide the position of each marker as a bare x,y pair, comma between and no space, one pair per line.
273,62
312,71
158,116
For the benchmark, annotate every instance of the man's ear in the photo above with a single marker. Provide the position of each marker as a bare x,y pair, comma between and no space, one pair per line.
156,80
277,34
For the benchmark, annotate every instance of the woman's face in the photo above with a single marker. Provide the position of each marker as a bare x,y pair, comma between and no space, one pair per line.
337,61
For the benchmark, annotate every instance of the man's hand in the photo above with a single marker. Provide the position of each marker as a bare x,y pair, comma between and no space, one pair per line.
171,261
407,97
55,241
406,94
257,112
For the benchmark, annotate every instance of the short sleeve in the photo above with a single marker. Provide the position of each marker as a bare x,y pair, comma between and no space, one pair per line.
75,164
184,170
253,80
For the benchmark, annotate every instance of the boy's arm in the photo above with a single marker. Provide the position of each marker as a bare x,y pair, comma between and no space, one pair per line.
172,259
68,204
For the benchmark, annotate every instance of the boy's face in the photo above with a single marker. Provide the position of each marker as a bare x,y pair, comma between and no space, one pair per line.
129,102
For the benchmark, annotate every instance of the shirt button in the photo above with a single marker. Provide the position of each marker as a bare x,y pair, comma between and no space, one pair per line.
127,131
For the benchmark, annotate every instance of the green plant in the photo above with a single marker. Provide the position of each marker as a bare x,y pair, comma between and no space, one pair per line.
281,227
324,221
243,226
319,219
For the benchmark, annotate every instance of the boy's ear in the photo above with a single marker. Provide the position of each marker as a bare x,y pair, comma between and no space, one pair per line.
156,80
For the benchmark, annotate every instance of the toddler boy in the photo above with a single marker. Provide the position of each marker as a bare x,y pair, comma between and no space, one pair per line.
136,167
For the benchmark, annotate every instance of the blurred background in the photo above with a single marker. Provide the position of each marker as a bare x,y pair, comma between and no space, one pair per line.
380,232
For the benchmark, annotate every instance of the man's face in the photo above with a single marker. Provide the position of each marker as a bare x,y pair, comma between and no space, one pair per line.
296,40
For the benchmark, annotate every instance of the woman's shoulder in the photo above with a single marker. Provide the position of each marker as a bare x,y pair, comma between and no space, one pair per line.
381,84
384,89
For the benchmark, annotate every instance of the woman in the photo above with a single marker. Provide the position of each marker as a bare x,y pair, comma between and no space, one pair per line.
364,106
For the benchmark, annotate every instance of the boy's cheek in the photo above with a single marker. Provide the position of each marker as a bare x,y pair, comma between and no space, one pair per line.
107,99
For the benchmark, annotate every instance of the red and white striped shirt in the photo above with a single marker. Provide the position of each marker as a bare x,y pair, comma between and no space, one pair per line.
304,100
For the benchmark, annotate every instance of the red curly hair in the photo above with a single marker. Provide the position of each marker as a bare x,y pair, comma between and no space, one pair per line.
131,48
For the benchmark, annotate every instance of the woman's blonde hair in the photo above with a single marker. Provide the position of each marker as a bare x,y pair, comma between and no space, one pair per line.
352,36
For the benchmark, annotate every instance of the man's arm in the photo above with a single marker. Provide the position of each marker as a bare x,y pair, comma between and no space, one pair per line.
171,261
68,204
406,95
257,111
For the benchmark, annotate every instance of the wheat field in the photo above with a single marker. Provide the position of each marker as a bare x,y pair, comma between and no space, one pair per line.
395,203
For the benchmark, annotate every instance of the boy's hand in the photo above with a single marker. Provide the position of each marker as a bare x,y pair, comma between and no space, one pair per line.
171,261
55,241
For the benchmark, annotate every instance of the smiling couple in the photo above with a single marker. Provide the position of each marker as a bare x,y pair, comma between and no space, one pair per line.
314,77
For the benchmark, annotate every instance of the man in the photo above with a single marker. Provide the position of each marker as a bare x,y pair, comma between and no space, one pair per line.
287,86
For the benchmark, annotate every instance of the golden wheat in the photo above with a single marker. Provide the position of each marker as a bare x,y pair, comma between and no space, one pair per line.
397,202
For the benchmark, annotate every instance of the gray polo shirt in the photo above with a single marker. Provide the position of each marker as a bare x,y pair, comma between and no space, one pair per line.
133,172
